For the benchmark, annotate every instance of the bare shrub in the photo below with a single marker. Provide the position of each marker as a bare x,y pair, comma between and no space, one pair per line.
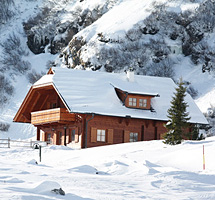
33,76
161,69
5,12
13,43
13,51
133,34
6,89
192,91
50,63
4,126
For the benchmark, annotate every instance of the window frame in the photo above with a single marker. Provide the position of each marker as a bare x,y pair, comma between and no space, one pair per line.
49,138
143,103
133,137
101,135
132,101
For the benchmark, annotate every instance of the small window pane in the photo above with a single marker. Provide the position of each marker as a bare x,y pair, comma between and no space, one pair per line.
135,137
49,139
130,101
144,102
131,137
140,102
100,135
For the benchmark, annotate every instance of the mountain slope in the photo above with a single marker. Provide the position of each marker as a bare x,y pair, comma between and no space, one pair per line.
161,38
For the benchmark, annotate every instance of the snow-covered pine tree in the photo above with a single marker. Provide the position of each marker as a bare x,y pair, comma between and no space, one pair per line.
178,117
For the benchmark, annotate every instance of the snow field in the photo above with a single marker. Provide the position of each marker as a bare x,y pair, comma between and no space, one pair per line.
142,170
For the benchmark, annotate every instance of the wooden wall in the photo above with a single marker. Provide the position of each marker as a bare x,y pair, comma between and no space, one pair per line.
118,129
57,132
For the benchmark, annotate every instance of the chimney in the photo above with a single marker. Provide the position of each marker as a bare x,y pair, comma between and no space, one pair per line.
130,74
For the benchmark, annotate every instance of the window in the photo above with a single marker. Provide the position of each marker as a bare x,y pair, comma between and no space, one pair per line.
100,135
132,101
143,103
49,139
133,137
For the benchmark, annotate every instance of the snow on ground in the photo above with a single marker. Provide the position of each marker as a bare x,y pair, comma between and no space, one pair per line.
142,170
17,130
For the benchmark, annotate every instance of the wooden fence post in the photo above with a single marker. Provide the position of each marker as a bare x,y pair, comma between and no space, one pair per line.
8,142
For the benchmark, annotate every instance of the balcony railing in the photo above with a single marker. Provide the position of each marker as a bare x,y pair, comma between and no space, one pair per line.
58,115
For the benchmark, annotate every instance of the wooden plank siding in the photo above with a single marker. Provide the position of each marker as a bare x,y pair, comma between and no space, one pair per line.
38,98
93,137
110,136
118,130
126,136
51,115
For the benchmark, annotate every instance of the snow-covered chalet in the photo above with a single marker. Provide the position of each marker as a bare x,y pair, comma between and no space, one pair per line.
89,108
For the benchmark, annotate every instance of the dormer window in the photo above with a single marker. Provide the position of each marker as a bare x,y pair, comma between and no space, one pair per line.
132,102
142,103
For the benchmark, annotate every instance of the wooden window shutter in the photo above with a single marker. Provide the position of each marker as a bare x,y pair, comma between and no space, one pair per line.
43,135
126,136
93,134
76,135
110,136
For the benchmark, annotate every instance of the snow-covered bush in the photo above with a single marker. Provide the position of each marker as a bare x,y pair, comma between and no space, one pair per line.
13,55
161,69
6,89
210,116
5,11
4,126
34,76
192,91
75,47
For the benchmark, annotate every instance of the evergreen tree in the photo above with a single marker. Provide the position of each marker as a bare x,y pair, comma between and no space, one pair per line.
178,117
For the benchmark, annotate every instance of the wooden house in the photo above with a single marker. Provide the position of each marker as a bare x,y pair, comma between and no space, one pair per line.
87,108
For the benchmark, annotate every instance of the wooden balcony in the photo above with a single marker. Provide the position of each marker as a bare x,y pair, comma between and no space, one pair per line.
59,115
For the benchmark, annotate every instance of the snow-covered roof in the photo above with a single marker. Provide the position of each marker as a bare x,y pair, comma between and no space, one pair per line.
94,92
44,80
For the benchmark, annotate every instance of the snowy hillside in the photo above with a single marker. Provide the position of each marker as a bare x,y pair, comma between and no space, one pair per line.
142,170
156,37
